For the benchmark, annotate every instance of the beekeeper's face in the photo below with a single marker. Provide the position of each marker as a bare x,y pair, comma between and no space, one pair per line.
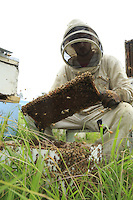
82,48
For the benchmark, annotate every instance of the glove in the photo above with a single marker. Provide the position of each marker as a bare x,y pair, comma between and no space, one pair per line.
109,98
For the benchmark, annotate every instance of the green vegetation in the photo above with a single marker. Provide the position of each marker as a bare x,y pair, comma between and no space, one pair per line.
22,178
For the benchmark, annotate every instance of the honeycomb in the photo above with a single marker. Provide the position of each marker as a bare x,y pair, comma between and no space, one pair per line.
64,101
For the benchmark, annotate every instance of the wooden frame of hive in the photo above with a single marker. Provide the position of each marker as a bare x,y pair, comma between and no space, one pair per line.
129,57
60,158
75,95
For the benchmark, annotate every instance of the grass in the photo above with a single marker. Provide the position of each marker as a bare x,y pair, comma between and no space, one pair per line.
23,178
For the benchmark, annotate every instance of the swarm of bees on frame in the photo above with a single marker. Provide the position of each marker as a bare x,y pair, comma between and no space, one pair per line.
64,101
62,160
70,159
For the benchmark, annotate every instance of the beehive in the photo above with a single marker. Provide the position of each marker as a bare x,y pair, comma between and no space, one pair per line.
64,101
129,57
8,73
9,100
61,158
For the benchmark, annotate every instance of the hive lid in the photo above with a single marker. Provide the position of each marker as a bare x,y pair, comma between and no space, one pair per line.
6,57
4,51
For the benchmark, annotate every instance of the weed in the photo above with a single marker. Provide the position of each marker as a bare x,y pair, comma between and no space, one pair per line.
22,177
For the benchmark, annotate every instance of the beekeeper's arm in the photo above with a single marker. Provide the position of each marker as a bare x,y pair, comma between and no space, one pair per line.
119,81
120,87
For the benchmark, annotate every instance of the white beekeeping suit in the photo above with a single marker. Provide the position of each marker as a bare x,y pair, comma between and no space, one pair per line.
108,75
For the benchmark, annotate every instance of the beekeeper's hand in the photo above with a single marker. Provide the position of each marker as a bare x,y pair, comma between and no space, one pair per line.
109,98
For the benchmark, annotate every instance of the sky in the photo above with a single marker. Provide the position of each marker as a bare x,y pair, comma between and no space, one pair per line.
33,30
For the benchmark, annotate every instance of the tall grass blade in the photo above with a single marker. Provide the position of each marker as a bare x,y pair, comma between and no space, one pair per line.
115,141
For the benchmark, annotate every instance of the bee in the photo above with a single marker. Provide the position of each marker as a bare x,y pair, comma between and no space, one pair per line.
111,132
68,97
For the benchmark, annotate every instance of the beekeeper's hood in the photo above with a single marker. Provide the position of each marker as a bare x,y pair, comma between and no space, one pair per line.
81,47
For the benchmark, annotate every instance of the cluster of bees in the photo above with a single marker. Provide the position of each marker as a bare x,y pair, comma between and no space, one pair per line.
65,160
64,101
71,159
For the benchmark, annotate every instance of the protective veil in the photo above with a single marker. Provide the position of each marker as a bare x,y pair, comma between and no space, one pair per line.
81,46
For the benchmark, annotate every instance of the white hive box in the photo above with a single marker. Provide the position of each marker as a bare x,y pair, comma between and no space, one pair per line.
8,73
9,102
83,158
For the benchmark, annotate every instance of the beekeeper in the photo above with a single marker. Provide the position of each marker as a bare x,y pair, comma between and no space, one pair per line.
82,51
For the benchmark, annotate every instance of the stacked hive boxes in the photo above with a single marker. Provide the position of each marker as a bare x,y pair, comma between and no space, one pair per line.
129,57
8,91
